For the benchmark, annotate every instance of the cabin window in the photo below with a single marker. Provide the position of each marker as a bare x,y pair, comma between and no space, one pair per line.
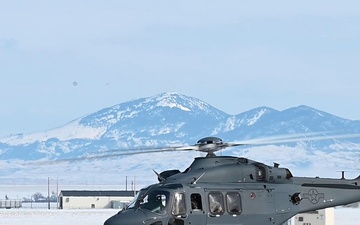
288,174
179,207
196,201
216,203
233,203
260,172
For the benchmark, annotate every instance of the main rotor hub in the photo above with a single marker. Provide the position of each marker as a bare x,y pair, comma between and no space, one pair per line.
210,140
210,145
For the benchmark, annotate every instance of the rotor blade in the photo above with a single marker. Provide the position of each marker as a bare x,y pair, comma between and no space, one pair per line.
144,149
271,139
281,137
91,157
232,144
289,140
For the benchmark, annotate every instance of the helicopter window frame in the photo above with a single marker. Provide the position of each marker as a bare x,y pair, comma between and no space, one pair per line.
233,203
216,203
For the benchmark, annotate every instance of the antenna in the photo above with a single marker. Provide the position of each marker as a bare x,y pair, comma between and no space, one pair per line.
196,180
160,178
342,174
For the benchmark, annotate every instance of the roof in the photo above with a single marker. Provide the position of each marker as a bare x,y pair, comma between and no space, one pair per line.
86,193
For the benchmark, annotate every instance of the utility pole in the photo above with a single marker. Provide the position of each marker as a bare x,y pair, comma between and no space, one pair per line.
57,192
48,192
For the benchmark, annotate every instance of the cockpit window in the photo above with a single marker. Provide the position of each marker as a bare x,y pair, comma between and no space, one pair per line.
179,207
156,201
137,197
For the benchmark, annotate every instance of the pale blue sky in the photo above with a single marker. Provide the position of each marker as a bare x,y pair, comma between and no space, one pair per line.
234,55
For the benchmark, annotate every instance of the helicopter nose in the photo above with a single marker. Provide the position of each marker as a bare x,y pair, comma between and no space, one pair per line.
112,221
127,217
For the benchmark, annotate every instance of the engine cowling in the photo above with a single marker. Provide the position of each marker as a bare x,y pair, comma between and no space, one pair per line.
167,173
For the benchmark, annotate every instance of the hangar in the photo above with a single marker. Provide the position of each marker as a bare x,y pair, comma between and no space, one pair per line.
84,199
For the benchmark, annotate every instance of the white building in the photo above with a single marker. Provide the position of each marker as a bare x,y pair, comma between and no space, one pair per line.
94,199
319,217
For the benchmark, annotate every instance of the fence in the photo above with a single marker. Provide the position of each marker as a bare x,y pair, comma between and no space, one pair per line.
10,203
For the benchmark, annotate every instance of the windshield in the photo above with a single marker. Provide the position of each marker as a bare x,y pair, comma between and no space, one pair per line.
136,199
155,201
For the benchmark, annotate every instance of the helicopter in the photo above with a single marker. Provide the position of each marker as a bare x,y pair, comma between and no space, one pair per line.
221,190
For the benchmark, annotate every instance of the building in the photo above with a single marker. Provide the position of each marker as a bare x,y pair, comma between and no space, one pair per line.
319,217
84,199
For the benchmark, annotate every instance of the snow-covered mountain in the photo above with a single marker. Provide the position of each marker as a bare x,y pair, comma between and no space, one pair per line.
168,119
172,119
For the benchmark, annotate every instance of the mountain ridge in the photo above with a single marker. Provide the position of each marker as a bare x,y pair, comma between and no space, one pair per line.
167,119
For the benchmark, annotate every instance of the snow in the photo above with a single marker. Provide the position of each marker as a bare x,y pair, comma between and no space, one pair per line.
170,102
230,124
166,103
72,130
343,216
253,120
54,216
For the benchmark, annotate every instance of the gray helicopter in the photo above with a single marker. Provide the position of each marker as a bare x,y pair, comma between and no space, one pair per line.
228,190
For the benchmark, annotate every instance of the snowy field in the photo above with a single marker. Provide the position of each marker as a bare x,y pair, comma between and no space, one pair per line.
28,216
54,216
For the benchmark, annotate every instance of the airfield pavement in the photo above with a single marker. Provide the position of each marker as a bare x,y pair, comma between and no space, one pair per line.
28,216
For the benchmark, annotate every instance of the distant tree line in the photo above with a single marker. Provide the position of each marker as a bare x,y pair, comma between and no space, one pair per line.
39,197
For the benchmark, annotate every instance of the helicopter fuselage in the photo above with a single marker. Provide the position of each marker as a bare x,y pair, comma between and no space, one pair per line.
231,190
